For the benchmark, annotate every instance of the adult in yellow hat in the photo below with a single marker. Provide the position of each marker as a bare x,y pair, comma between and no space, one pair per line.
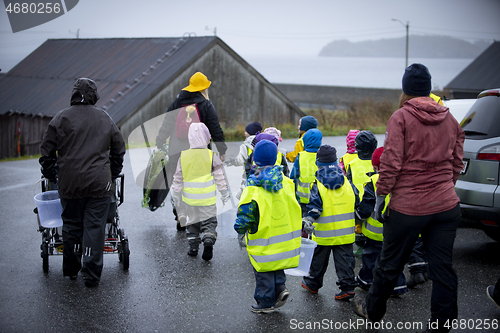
195,94
198,82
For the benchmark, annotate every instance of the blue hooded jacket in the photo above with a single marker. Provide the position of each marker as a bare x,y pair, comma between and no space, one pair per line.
332,177
308,122
312,141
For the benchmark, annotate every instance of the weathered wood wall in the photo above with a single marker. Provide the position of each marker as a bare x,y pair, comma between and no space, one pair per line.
240,95
26,129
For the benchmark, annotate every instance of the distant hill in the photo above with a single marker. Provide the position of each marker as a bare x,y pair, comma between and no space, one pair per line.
419,46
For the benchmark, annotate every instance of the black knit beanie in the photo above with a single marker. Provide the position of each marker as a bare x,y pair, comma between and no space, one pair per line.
326,154
417,80
253,128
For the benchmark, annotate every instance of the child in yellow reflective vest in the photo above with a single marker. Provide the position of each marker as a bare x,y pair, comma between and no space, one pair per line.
304,168
305,124
357,172
199,172
351,150
373,230
280,157
330,220
268,218
246,149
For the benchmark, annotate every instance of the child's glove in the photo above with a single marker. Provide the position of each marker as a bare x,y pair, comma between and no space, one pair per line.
379,207
241,241
307,224
225,196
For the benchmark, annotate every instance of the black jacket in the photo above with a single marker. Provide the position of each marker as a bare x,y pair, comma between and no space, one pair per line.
208,116
83,148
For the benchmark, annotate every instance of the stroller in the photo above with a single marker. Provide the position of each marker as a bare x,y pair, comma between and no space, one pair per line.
115,240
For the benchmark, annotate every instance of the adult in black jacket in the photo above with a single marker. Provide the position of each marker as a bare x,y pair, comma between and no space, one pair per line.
82,150
195,93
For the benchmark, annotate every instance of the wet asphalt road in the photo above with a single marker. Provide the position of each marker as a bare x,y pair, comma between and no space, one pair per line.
165,290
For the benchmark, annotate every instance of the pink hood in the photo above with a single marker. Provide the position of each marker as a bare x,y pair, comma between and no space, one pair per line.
351,136
198,135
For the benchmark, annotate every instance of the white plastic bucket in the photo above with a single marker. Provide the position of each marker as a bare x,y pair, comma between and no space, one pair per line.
49,209
307,247
225,223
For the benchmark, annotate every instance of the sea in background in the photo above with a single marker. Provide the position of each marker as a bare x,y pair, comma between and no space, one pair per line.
352,71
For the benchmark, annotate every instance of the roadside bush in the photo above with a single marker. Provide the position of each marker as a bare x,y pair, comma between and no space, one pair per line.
363,115
366,114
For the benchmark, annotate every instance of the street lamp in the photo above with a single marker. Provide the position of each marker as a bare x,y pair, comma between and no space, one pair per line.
407,25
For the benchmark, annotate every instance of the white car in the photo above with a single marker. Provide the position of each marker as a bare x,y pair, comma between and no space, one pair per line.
459,107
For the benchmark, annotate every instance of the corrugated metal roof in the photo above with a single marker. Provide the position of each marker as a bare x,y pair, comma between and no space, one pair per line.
483,73
43,81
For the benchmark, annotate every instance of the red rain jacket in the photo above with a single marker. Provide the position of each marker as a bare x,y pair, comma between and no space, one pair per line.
422,158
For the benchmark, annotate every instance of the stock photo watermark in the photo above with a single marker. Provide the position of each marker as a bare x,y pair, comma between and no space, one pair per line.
364,324
28,14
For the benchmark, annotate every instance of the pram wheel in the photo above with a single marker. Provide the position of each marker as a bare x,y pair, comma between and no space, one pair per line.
123,250
125,255
45,257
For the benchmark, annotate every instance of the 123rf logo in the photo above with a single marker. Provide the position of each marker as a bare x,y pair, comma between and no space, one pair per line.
28,14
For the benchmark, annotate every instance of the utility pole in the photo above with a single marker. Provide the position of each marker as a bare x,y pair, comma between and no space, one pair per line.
407,25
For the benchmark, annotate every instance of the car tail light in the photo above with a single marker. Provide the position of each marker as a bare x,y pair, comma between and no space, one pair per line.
490,153
494,92
488,222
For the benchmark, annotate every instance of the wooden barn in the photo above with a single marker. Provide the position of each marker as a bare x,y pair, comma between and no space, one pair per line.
137,79
482,74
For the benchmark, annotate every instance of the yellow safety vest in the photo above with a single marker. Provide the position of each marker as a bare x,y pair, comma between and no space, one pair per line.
307,171
276,244
372,228
436,98
335,226
347,159
199,185
249,151
359,169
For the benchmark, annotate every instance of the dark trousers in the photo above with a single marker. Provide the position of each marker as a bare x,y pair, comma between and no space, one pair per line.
207,230
400,234
371,251
84,228
268,286
303,208
418,262
343,259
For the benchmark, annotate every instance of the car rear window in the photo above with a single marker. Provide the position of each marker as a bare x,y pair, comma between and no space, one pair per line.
483,119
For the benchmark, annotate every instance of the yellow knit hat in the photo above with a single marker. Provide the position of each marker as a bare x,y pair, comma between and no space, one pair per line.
198,82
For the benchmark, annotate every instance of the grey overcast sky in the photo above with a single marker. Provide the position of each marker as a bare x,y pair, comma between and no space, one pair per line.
259,27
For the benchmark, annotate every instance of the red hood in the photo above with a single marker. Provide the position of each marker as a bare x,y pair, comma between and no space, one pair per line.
426,110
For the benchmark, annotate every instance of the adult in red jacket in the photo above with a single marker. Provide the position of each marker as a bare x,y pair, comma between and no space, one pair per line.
422,159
